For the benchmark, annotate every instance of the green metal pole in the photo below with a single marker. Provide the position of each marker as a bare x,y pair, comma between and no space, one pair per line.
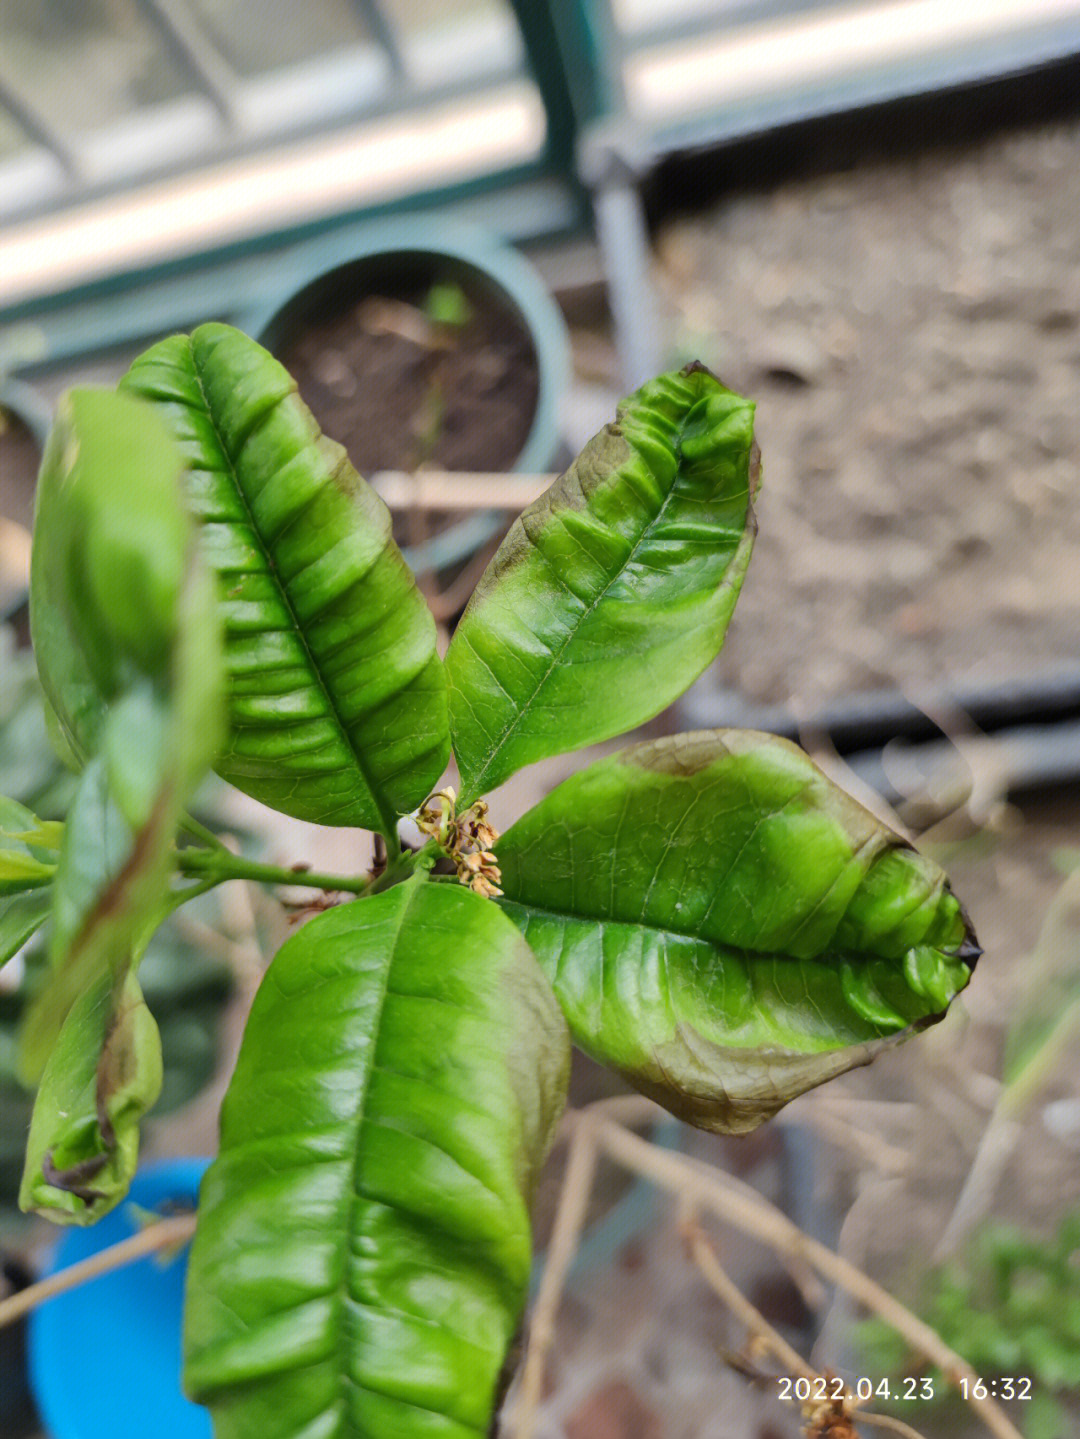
573,51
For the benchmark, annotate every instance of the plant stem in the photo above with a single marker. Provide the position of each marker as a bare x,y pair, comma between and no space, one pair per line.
190,825
221,865
406,864
181,896
393,842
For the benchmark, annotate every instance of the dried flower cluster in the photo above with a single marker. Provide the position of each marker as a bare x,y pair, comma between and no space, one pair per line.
465,838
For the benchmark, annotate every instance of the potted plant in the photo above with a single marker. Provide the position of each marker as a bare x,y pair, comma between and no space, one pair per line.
214,585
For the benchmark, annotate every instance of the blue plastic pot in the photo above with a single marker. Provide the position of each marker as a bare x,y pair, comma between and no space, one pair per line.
395,252
105,1357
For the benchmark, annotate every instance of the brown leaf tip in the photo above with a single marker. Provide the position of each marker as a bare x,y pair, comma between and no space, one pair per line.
697,367
970,950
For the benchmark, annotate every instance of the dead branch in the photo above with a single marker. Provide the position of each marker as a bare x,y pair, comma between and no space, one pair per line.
761,1219
569,1221
167,1234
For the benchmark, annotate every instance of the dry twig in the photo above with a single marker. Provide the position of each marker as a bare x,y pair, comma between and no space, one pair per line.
151,1240
569,1221
765,1337
703,1253
761,1219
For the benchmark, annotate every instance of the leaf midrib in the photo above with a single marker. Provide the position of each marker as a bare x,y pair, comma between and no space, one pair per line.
345,1302
573,630
389,819
561,916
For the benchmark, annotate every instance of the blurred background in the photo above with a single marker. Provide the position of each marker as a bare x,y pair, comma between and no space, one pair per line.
487,220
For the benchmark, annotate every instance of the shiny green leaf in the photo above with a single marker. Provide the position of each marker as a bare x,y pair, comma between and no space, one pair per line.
725,926
337,697
363,1246
102,1076
613,591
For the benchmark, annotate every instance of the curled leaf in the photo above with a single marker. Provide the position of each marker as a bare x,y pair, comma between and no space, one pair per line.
613,591
726,927
102,1076
125,626
111,549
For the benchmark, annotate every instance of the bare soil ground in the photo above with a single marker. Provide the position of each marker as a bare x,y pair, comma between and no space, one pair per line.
910,328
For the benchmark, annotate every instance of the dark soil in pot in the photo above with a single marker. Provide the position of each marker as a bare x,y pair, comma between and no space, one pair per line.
438,377
425,374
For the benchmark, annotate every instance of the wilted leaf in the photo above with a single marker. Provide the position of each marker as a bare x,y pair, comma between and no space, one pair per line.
111,549
102,1076
725,926
613,591
126,625
337,697
363,1249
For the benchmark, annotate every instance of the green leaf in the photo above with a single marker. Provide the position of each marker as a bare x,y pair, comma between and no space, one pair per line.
109,559
363,1246
725,926
613,591
20,871
124,601
106,898
21,916
29,771
101,1078
27,849
337,697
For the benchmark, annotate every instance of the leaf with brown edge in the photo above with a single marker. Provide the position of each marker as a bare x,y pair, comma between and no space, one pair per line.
101,1077
726,927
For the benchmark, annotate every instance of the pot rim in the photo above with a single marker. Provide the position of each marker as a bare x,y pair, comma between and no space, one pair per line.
501,270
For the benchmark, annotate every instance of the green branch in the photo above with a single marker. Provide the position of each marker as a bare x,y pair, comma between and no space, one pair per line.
221,865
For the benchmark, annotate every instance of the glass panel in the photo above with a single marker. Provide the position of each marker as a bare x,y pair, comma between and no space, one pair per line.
447,42
278,33
85,63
